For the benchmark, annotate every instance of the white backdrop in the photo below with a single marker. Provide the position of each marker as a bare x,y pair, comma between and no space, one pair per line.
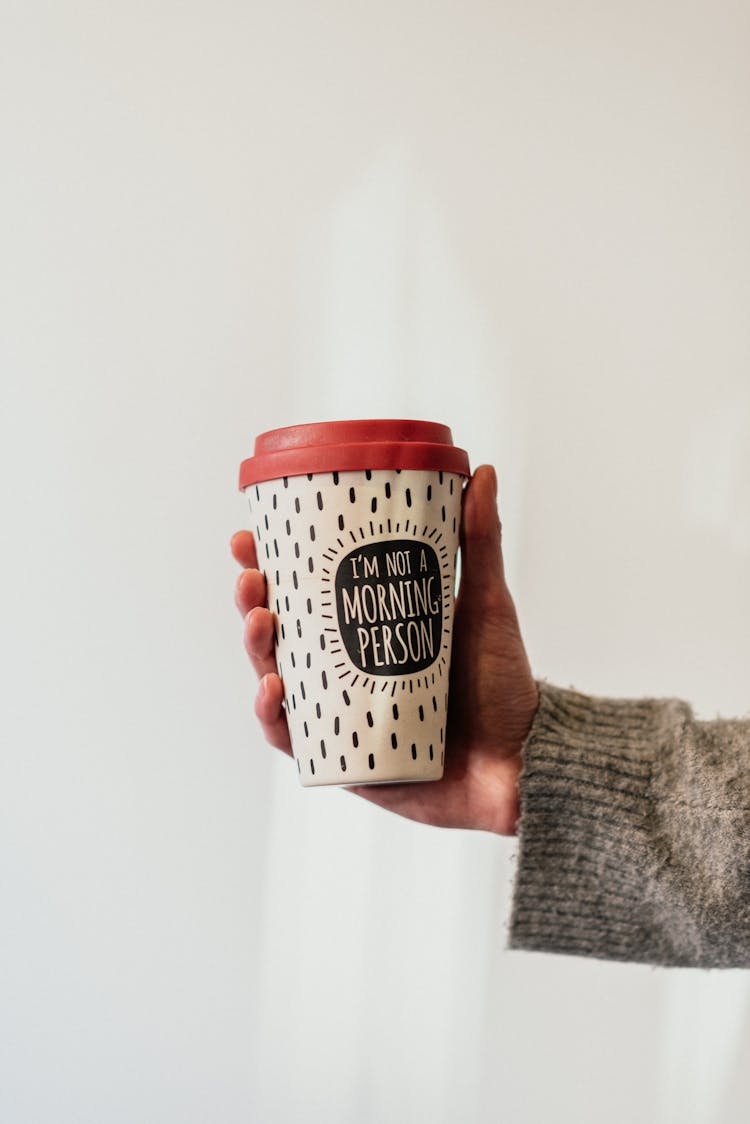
527,220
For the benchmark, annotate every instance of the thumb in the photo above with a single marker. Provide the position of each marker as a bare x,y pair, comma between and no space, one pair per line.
482,569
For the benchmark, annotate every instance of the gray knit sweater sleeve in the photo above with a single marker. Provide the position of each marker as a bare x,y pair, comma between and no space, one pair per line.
634,838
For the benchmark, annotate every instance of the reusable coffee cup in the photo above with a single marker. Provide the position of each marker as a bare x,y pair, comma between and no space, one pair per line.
356,526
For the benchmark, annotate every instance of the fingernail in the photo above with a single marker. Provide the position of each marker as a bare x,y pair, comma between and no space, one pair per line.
494,480
262,686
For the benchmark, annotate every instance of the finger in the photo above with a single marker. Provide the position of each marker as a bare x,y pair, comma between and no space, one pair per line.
249,591
259,638
242,546
481,546
269,709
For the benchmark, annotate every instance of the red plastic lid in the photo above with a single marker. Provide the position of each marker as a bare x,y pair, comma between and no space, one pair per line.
345,445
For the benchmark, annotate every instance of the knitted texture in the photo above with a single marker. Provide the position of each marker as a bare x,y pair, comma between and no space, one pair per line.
634,837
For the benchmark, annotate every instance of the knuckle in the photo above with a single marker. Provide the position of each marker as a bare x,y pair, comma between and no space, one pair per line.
256,583
260,634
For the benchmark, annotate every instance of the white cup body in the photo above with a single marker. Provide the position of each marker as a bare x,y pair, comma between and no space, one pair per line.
360,570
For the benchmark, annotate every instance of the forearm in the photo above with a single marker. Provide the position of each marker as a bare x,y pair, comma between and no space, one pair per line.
634,833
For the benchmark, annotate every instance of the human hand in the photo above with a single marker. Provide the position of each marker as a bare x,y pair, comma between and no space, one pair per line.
492,696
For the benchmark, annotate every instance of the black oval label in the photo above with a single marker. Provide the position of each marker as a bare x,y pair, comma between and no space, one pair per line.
389,603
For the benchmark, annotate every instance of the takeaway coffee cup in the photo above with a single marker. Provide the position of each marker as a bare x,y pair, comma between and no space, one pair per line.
356,526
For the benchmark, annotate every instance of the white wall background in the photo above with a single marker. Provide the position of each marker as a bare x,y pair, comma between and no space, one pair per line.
527,219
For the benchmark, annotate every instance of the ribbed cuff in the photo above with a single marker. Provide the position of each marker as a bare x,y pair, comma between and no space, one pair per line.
587,877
